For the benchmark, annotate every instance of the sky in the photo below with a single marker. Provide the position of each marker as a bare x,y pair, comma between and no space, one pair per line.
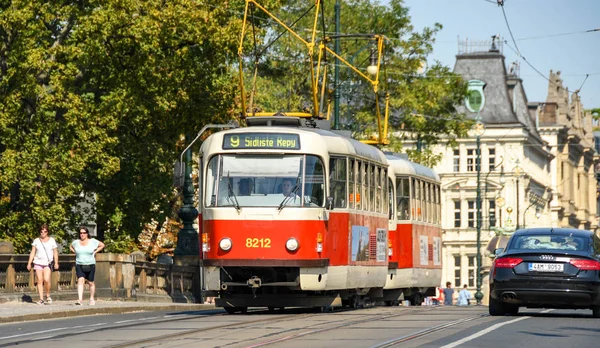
548,33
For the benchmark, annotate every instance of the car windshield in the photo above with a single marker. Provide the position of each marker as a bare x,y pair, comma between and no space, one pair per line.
548,242
250,180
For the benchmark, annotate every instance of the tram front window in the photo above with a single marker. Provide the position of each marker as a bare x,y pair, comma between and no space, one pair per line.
247,180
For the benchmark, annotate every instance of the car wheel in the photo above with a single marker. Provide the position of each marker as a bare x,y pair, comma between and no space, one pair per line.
596,312
497,307
512,310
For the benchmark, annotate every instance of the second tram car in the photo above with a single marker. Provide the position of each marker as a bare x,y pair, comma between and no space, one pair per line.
415,233
298,216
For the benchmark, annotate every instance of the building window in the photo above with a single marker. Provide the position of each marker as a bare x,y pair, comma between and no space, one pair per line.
456,270
470,160
492,212
492,159
471,271
456,161
471,213
456,213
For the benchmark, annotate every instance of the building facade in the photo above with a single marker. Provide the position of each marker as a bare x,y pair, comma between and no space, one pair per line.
536,166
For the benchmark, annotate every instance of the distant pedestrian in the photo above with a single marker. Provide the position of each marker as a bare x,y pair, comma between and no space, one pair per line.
85,249
464,297
448,294
44,258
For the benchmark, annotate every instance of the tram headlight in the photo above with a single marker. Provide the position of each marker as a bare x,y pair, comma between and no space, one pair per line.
225,244
292,244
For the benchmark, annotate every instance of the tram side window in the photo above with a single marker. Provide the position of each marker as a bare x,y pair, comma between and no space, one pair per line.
390,198
403,198
365,188
427,202
386,193
337,178
314,189
372,187
359,197
212,173
377,199
351,184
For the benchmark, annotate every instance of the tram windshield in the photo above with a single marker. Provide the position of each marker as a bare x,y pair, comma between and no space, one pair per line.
250,180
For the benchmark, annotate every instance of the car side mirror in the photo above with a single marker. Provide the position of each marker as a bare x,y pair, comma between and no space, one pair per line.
498,251
329,205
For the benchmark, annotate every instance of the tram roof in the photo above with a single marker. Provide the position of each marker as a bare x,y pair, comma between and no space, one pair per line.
335,143
404,166
343,145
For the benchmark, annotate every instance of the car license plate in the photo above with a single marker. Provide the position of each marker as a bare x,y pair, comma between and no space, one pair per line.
546,267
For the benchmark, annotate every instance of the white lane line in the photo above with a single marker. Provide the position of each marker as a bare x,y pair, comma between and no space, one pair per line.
483,332
491,328
50,330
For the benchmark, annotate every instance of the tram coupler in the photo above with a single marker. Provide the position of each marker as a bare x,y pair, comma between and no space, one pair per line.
254,282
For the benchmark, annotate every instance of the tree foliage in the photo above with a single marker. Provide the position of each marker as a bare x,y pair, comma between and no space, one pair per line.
94,98
96,95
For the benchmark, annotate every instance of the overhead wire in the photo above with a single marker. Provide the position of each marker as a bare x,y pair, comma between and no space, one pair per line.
518,52
555,35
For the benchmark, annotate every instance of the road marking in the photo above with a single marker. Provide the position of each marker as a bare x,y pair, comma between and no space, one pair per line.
483,332
50,330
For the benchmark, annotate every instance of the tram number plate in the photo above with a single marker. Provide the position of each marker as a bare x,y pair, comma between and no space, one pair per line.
258,242
546,267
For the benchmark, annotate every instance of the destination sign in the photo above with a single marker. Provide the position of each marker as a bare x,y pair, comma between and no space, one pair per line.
261,141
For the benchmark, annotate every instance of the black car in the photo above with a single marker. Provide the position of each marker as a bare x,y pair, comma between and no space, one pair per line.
546,268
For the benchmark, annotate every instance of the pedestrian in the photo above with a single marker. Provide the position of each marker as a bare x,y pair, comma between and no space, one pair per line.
85,249
448,294
44,258
464,297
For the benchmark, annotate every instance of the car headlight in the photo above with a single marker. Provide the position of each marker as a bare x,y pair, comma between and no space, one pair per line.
225,244
292,244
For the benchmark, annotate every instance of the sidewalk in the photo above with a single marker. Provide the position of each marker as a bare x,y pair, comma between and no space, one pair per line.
24,311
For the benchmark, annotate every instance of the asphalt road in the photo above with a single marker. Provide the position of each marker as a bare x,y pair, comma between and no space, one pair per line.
371,327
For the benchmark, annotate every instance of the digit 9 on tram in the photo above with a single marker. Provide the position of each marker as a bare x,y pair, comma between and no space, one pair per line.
292,216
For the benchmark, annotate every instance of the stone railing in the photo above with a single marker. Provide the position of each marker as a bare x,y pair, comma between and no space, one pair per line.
118,276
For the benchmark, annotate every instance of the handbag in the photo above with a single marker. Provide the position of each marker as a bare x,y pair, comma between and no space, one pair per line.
50,262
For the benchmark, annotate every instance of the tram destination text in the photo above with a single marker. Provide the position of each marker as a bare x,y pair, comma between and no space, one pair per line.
261,141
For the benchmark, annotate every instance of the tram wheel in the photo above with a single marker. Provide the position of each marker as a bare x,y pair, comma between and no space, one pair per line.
417,299
232,310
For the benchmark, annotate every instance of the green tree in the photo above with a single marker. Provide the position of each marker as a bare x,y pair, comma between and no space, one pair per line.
95,97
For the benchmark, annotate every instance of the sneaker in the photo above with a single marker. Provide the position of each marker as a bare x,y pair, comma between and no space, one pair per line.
48,300
92,303
78,303
40,302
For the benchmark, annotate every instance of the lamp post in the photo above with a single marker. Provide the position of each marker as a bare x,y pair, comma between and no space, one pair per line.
479,129
187,239
336,67
517,170
485,192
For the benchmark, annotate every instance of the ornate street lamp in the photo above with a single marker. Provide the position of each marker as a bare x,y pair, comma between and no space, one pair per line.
479,130
517,170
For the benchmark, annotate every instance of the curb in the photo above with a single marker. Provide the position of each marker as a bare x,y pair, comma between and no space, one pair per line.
102,310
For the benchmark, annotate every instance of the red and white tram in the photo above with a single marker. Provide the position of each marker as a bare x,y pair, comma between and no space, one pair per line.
415,233
297,216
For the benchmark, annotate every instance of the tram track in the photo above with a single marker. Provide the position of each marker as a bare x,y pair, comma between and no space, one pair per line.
182,334
291,334
361,321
